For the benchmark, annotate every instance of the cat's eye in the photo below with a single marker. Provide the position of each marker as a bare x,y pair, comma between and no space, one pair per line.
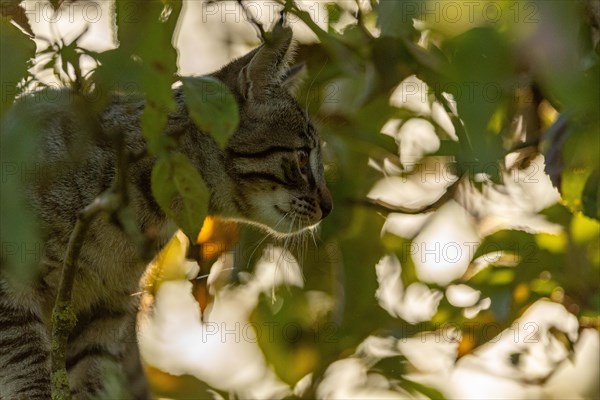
302,156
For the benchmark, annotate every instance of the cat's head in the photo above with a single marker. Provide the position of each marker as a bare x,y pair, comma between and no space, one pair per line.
274,157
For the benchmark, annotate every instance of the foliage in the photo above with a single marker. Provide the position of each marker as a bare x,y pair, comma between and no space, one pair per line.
512,88
174,176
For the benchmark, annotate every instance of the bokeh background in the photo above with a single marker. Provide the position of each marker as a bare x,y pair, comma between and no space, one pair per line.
461,143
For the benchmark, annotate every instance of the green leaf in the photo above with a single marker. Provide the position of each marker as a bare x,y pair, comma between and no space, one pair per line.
212,106
292,339
180,191
146,34
12,10
590,198
572,185
479,77
117,73
19,231
334,12
395,18
56,4
17,50
152,121
415,387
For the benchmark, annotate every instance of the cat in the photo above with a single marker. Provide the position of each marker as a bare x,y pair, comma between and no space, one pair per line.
270,174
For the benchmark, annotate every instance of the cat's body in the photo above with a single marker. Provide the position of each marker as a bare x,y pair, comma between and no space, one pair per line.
270,173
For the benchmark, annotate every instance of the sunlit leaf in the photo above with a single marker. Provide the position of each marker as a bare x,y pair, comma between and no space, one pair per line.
572,184
590,197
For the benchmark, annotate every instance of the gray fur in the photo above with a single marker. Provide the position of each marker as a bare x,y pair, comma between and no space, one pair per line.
256,179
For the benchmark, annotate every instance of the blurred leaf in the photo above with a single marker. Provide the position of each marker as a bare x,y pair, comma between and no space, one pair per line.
182,387
179,190
117,73
583,161
391,367
501,276
291,345
17,51
479,79
572,183
567,66
415,387
212,107
554,243
583,229
146,34
543,287
56,3
558,213
343,56
395,18
519,243
13,10
334,12
360,277
21,239
554,139
433,62
392,60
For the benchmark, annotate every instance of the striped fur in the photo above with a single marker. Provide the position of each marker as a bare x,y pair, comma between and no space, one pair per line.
270,174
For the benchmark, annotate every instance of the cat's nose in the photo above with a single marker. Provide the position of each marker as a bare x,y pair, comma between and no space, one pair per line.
326,203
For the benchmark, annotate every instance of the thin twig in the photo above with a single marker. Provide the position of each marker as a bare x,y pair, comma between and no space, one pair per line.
63,316
261,29
113,201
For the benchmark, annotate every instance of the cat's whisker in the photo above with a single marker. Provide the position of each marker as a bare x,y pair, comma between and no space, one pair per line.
207,275
282,256
265,238
307,100
312,234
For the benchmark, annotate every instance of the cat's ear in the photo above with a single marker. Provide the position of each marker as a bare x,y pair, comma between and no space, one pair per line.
268,67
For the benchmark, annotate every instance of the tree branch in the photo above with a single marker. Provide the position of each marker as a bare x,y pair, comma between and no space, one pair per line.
114,201
63,316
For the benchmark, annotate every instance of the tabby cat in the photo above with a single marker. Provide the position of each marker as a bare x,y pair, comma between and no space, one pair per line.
269,174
